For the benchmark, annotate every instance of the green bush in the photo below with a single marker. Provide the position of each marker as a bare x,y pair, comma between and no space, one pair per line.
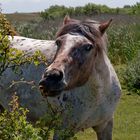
131,75
89,9
124,44
14,126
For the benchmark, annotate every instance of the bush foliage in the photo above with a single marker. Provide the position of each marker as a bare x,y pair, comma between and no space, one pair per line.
14,126
124,43
132,74
57,11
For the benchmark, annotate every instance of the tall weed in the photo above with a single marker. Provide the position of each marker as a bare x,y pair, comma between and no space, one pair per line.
124,43
131,75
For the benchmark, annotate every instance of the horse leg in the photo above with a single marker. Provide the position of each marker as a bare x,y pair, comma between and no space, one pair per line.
104,131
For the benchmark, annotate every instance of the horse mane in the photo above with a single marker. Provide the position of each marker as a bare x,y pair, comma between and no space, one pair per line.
87,28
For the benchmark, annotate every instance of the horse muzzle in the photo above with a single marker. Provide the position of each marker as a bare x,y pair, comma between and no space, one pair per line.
52,83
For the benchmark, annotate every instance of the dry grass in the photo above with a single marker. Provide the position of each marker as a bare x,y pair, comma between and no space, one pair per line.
22,17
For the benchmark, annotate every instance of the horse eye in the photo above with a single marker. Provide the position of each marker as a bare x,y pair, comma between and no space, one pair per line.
58,43
88,47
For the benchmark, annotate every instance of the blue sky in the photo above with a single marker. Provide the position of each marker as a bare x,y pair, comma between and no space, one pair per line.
10,6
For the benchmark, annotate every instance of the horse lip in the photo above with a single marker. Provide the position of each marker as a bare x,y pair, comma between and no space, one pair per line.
54,94
53,90
51,93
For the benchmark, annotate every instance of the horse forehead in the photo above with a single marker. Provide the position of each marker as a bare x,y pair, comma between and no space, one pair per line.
73,40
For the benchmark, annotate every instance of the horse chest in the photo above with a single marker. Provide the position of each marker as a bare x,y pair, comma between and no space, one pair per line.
83,110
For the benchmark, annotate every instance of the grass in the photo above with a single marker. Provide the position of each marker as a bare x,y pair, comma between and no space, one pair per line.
126,120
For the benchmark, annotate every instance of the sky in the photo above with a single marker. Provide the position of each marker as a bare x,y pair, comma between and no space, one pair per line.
11,6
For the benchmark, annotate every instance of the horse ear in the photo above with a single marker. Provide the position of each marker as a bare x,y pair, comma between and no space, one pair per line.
103,26
66,19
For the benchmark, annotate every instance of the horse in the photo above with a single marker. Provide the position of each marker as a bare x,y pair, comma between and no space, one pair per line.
82,77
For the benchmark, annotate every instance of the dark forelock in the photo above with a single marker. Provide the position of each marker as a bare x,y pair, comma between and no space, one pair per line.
85,28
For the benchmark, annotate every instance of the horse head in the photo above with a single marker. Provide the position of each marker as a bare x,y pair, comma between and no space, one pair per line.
79,43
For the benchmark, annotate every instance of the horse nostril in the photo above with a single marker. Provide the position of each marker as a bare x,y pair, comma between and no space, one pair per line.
41,87
42,82
55,75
